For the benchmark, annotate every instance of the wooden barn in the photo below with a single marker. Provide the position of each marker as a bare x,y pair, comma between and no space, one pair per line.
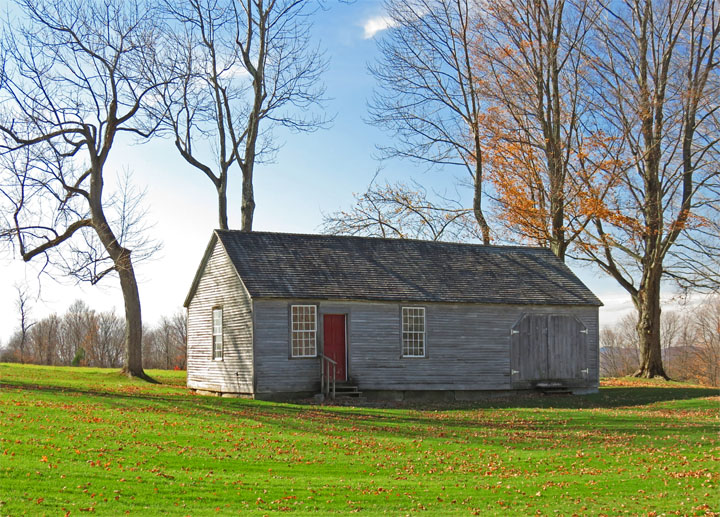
274,316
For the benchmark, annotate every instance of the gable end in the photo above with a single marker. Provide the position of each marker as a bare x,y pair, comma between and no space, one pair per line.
203,265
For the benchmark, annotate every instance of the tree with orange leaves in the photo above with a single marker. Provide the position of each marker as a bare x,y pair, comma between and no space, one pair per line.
601,129
550,164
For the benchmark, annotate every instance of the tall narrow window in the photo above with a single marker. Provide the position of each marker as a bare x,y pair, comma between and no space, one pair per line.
217,333
413,331
304,330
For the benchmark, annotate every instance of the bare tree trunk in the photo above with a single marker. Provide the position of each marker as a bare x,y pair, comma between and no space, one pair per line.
248,198
222,203
257,71
133,319
128,283
477,201
50,351
647,302
22,348
557,167
558,243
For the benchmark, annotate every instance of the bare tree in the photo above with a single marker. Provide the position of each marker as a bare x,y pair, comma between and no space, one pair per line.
76,76
427,96
616,359
84,337
655,74
619,351
671,325
611,356
165,335
706,352
45,338
179,325
245,68
165,343
11,351
403,211
78,332
6,353
690,343
105,350
81,336
126,213
23,307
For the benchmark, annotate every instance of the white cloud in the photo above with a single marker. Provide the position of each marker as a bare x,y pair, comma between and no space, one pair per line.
377,24
234,71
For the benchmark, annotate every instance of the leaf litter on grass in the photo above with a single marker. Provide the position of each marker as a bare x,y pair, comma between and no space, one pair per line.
108,447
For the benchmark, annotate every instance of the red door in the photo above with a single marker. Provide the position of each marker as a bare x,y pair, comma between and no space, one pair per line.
334,333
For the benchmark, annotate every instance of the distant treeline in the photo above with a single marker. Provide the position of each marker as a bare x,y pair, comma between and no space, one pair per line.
690,344
84,337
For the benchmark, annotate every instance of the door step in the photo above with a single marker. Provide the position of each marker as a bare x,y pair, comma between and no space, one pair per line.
553,388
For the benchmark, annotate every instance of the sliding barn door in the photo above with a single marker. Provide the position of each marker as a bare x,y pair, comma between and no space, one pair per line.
567,347
528,348
548,348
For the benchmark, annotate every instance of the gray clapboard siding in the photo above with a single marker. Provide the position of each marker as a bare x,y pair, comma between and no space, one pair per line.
467,346
219,286
274,369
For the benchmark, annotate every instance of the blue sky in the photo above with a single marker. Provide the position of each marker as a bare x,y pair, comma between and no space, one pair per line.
313,173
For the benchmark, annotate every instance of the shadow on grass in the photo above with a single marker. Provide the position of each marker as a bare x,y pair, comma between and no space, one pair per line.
418,421
607,398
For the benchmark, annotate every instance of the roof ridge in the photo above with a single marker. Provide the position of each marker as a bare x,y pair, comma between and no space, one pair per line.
391,239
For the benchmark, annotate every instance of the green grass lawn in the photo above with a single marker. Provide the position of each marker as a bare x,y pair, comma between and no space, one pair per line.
76,440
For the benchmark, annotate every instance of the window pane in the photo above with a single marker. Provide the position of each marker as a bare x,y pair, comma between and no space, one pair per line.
217,333
413,331
303,330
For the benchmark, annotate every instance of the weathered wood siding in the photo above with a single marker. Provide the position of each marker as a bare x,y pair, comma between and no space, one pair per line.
275,370
467,346
220,286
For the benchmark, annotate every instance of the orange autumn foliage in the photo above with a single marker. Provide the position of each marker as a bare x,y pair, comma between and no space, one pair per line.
518,172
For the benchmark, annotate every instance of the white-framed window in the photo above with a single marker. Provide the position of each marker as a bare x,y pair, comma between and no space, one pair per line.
303,321
413,331
217,333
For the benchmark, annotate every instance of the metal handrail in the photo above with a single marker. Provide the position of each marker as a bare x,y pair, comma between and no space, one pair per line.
326,380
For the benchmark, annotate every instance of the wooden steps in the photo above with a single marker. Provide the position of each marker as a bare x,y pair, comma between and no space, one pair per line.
553,388
347,390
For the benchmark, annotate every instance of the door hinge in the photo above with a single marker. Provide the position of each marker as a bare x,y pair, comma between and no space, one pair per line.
585,371
512,331
584,331
513,372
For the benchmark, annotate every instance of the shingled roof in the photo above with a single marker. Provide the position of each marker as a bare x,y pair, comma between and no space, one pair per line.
282,265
